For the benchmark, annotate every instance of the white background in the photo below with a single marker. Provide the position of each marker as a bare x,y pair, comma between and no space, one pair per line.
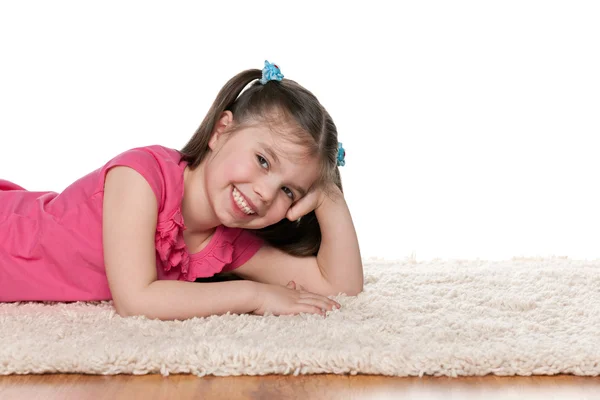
471,127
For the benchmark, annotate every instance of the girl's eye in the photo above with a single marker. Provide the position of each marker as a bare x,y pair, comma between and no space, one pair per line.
261,161
291,194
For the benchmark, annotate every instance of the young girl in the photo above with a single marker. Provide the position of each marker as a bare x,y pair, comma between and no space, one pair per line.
141,229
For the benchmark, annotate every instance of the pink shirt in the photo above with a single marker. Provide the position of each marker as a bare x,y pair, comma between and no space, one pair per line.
51,243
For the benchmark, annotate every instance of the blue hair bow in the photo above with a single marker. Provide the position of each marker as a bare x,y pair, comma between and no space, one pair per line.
270,72
341,156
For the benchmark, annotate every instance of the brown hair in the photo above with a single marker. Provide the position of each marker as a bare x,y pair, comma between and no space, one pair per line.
275,103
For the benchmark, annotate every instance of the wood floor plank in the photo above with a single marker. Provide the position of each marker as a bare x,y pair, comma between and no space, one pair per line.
330,387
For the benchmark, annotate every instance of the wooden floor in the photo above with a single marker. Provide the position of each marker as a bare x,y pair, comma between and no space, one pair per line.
328,387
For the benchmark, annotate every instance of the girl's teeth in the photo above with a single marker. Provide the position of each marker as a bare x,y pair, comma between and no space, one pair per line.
241,202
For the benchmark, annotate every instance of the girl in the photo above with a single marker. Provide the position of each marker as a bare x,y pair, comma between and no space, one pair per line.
141,229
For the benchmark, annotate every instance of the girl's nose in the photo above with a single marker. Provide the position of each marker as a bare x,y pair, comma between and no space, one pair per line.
266,190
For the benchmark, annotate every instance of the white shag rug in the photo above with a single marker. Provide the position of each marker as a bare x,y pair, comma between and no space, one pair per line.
441,317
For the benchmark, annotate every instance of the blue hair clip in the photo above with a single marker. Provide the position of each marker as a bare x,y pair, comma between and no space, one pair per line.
341,156
270,72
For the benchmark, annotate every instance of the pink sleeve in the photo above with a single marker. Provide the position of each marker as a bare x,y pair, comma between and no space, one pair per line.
244,247
146,164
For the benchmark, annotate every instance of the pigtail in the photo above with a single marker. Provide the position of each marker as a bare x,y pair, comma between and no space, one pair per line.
196,148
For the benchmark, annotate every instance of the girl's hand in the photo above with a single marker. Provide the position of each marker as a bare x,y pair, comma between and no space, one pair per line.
313,200
280,300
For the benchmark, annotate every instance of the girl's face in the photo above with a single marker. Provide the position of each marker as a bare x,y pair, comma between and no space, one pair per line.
252,177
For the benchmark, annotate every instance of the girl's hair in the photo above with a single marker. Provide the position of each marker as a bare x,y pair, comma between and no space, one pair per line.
278,104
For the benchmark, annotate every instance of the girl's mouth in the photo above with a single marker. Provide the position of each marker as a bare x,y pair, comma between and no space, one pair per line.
240,205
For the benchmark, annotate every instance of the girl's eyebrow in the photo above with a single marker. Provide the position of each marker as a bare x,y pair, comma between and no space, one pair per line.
269,150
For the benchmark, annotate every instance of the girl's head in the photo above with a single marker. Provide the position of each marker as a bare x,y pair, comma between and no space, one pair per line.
272,143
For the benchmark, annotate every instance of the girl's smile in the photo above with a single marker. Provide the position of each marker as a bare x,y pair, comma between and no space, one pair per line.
237,205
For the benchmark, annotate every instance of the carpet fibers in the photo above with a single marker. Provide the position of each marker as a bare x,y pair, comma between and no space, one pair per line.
440,317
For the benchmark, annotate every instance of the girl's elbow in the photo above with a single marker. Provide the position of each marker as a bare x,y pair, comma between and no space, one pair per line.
121,310
354,291
348,290
127,308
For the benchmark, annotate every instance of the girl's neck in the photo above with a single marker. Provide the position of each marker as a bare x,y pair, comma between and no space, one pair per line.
197,213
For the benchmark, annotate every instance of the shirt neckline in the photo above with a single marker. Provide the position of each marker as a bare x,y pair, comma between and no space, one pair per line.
213,241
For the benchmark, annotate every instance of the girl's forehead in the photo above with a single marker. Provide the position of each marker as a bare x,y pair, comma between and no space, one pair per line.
279,145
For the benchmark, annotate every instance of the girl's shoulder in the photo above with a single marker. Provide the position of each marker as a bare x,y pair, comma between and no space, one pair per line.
160,166
149,157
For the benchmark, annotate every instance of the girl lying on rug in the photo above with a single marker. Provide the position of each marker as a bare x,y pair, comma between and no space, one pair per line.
144,227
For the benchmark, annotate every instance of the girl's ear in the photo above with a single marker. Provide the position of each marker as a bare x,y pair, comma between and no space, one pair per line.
223,122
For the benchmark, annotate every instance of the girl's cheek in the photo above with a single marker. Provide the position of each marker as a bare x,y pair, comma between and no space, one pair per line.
240,168
276,213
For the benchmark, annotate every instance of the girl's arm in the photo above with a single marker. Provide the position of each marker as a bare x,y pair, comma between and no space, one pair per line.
336,268
339,256
129,226
168,300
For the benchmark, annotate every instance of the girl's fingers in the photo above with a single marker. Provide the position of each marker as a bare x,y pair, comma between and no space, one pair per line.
312,310
305,205
317,300
301,288
295,211
320,304
319,296
292,214
309,295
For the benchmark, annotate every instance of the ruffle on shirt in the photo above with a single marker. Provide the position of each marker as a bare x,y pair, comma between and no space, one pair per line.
174,254
169,242
211,263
